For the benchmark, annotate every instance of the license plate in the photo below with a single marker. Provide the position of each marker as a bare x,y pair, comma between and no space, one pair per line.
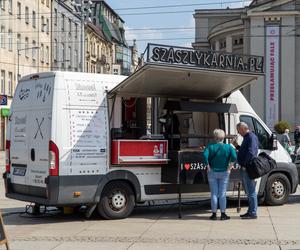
19,171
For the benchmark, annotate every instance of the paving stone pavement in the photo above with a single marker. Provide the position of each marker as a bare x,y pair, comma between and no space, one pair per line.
153,228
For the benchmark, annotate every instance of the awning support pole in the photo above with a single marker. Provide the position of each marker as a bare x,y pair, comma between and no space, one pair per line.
154,115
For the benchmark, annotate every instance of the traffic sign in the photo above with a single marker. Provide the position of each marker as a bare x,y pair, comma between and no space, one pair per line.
3,99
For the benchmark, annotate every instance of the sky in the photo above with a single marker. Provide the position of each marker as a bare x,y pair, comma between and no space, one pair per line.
164,28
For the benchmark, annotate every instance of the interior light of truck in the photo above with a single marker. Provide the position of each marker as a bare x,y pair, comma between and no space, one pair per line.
77,194
53,159
7,156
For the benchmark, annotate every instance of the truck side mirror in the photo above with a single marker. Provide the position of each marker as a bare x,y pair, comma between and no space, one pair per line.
273,143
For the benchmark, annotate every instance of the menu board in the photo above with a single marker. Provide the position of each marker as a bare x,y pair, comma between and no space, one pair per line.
87,136
87,115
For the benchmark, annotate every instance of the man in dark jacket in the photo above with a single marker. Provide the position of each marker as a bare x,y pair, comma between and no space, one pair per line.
297,140
246,152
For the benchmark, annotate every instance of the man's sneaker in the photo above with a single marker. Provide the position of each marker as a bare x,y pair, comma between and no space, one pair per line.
245,215
213,216
248,216
224,217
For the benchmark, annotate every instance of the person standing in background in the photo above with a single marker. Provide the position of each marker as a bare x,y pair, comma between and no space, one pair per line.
286,141
246,152
297,140
218,158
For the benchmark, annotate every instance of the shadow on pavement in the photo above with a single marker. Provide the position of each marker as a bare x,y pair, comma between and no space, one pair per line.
195,211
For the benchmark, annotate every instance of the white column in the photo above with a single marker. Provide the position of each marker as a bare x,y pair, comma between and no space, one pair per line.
229,44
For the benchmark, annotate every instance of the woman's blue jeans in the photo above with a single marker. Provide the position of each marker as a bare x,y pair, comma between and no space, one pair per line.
218,182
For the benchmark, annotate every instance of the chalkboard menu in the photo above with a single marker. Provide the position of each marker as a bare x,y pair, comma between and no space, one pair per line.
3,239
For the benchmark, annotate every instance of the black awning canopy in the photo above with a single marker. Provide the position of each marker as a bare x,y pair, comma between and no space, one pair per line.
173,81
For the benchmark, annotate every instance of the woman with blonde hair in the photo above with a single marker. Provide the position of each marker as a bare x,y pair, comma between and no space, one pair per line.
219,158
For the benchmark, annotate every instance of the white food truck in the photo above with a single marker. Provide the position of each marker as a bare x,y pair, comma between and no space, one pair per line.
83,139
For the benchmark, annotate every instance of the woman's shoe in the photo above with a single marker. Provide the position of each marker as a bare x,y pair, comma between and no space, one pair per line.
213,216
224,217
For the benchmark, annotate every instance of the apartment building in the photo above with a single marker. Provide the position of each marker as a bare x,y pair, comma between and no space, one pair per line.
112,25
98,50
24,46
66,37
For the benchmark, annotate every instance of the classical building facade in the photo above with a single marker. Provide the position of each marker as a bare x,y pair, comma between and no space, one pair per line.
112,25
66,37
265,28
98,50
25,45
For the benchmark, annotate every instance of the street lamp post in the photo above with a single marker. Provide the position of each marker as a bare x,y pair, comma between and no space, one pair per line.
36,47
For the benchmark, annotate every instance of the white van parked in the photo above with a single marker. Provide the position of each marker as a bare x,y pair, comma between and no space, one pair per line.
61,152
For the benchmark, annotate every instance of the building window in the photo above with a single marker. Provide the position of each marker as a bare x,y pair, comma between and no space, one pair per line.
42,52
75,58
10,40
63,52
9,6
33,19
76,29
2,81
47,3
222,44
238,41
47,55
70,54
10,83
42,24
87,46
26,46
18,42
26,15
2,4
55,50
62,22
42,1
33,51
70,25
19,11
2,37
47,26
55,17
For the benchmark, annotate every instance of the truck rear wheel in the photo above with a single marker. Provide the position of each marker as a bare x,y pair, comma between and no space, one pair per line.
117,201
278,189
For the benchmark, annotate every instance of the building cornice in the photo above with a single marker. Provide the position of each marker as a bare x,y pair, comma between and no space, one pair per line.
218,12
267,6
274,13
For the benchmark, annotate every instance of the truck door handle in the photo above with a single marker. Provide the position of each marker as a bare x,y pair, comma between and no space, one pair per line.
32,154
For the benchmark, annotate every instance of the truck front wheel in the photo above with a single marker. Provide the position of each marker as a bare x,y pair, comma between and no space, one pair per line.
117,201
278,189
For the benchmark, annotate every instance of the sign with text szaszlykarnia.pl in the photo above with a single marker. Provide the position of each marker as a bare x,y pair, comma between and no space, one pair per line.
206,59
272,74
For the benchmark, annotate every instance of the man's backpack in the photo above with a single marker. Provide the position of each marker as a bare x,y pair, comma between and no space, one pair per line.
260,165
